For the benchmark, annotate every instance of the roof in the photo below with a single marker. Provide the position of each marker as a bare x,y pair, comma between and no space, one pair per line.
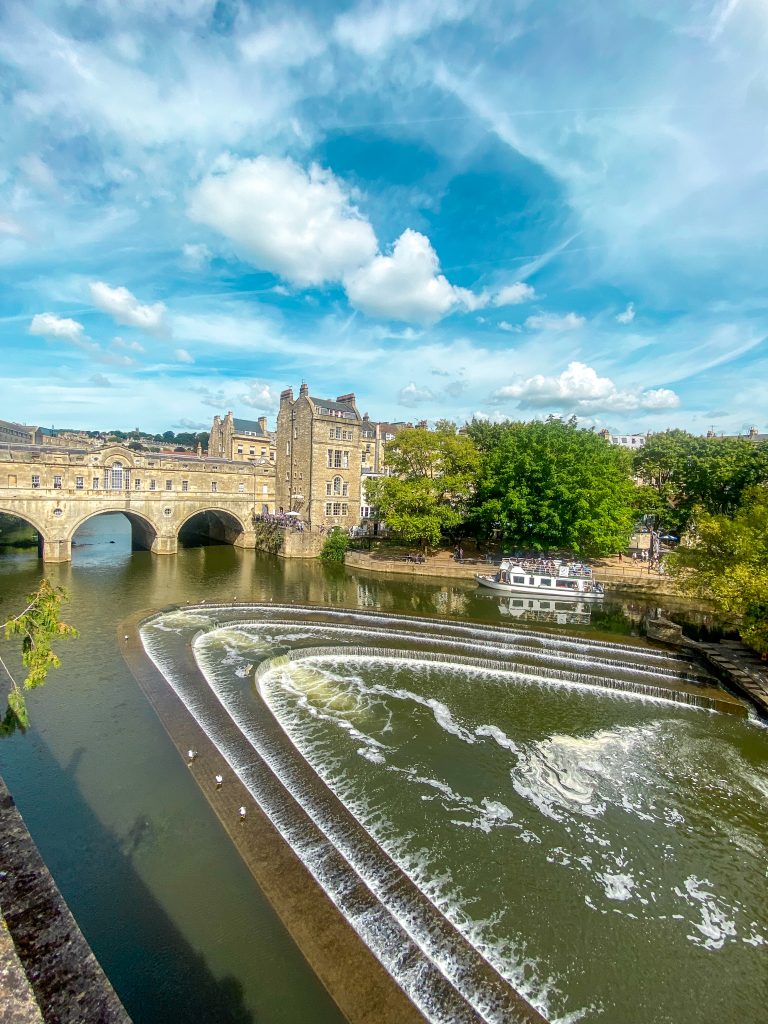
248,427
326,406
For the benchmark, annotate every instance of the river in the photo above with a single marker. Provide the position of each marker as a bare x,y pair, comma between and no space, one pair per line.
155,884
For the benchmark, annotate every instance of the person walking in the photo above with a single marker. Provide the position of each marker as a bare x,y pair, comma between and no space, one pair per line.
219,780
241,814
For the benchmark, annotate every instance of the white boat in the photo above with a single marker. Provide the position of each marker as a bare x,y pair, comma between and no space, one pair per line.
566,612
544,576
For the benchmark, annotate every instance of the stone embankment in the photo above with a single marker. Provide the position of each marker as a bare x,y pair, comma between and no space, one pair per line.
627,574
47,969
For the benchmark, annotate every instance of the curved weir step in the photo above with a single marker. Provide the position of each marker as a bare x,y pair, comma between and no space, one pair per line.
439,970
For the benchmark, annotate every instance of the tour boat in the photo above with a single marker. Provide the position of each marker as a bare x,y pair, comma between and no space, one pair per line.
543,576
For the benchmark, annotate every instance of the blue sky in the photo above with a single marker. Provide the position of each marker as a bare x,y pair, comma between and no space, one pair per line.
452,208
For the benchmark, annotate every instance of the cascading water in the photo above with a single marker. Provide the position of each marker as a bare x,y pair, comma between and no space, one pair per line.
570,807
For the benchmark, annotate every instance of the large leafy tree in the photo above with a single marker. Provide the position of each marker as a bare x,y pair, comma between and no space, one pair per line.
38,625
684,473
552,485
727,561
432,475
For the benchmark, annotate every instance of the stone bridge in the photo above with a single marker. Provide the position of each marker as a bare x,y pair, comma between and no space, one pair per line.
57,490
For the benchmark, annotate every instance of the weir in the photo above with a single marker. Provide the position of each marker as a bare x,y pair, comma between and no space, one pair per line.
438,968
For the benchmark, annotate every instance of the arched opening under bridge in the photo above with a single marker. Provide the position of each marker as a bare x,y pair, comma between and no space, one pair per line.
17,533
213,526
122,531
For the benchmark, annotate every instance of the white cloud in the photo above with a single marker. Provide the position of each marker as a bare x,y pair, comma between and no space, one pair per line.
130,346
125,308
187,424
553,322
407,285
100,381
196,255
371,28
260,396
183,356
300,225
505,325
580,388
51,326
513,294
628,315
412,394
287,43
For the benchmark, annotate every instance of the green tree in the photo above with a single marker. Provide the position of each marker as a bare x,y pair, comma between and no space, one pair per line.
552,486
688,473
335,546
728,562
433,476
38,625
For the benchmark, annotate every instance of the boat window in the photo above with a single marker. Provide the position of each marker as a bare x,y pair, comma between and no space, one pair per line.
566,584
517,603
531,580
518,579
543,604
546,581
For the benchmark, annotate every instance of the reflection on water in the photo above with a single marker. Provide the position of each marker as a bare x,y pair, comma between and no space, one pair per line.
125,831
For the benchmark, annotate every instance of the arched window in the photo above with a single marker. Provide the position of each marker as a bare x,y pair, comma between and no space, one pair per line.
337,485
117,476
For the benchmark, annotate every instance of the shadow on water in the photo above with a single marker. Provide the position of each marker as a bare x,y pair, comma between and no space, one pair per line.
183,988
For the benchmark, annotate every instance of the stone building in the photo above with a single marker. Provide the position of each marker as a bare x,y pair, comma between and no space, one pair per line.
241,440
317,465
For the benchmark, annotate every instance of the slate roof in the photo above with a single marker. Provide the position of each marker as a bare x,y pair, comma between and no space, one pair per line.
248,427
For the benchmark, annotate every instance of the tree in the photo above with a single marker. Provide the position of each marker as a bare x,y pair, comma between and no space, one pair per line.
38,625
335,546
552,486
432,478
728,563
688,472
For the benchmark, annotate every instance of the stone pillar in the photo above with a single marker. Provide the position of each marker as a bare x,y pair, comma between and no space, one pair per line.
165,545
57,550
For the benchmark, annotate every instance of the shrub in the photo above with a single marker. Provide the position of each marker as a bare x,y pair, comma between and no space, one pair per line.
335,547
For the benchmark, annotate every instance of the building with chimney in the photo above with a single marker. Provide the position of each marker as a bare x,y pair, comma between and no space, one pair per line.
241,440
317,462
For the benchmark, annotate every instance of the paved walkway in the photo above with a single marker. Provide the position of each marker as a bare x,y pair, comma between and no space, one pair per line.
742,667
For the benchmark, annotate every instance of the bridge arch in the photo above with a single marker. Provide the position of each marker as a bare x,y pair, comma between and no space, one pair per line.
143,531
31,521
211,525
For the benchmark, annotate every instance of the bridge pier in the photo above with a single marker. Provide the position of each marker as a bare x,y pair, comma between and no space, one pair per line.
56,550
165,545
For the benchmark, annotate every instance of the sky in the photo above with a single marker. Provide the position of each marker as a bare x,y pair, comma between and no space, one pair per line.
453,208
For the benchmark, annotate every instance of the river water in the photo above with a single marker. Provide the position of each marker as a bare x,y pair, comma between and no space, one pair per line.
605,851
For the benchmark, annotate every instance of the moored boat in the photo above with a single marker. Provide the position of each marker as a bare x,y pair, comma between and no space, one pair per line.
544,576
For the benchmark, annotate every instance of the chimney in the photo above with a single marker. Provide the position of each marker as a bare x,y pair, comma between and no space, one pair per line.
366,418
286,396
304,390
346,399
753,432
263,424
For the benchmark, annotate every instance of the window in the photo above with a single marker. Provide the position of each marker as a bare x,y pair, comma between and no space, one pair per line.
327,508
35,481
546,582
346,460
57,482
153,485
117,476
337,458
241,487
337,508
251,451
264,489
365,511
518,579
169,485
95,483
79,483
328,489
344,508
239,449
330,458
185,485
214,486
337,485
345,488
136,484
263,452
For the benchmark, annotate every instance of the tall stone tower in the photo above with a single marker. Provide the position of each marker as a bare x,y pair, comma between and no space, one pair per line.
317,463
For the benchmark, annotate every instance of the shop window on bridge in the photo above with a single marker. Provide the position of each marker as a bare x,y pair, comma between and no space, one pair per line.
153,485
169,485
214,486
185,485
136,484
35,481
57,482
241,487
79,483
95,484
114,480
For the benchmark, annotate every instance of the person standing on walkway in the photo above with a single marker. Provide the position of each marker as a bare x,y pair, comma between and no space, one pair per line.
242,814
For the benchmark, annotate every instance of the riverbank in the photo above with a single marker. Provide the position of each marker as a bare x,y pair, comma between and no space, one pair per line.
627,574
